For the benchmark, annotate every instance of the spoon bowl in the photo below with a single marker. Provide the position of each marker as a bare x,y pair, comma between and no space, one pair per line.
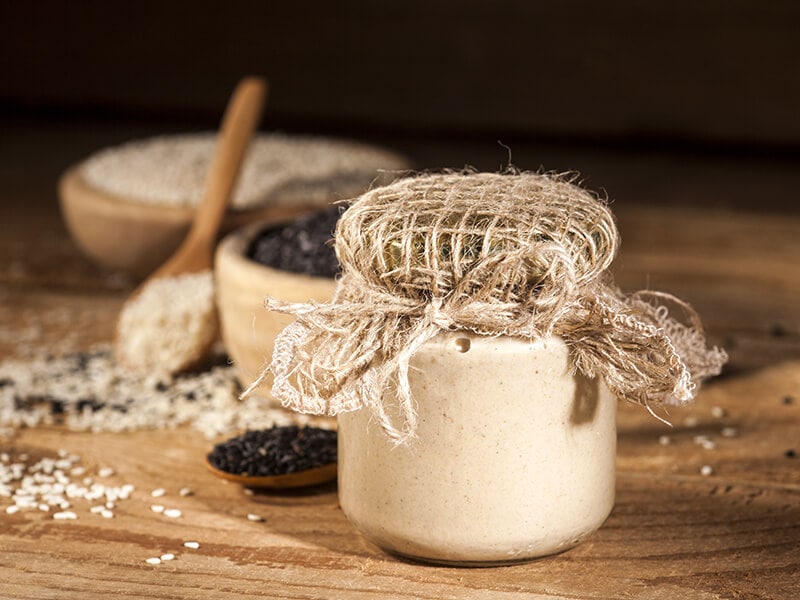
308,477
170,321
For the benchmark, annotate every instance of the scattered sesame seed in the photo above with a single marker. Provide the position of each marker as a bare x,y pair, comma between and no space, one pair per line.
254,517
157,508
664,440
706,470
167,556
730,432
186,492
65,515
106,514
708,444
718,412
91,391
172,513
105,472
111,504
44,507
153,561
790,453
158,492
12,509
77,471
700,439
192,545
691,421
788,400
97,509
248,492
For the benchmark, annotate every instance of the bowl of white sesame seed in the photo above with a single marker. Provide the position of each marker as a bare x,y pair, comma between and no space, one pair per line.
128,207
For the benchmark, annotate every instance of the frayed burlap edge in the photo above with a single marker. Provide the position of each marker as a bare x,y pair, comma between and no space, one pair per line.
514,254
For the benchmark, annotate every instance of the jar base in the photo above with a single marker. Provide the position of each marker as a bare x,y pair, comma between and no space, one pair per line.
476,564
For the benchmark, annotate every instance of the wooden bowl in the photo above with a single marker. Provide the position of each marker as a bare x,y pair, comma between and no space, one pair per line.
107,199
126,235
248,328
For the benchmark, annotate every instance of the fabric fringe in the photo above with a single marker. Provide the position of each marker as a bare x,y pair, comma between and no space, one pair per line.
517,254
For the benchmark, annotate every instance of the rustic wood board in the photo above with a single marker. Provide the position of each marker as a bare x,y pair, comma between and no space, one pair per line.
674,533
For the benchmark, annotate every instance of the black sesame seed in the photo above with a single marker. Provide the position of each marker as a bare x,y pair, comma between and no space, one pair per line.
790,453
275,451
778,330
788,400
301,246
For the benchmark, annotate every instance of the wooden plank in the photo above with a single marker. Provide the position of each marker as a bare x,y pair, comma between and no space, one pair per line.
673,533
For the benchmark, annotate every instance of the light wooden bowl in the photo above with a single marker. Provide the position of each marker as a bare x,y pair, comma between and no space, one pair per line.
126,235
248,328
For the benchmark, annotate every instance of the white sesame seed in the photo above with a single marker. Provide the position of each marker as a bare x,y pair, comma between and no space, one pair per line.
158,492
706,470
664,440
153,561
192,545
730,432
12,509
77,471
44,507
708,445
172,513
254,517
97,509
157,508
105,472
111,504
691,421
186,492
718,412
106,514
64,515
167,556
700,439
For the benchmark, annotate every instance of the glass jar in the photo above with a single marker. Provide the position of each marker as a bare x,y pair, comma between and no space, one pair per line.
513,456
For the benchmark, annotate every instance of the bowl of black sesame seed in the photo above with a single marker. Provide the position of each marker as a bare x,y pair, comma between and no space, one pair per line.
293,261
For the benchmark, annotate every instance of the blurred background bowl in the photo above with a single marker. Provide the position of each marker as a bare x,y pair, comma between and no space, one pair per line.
111,205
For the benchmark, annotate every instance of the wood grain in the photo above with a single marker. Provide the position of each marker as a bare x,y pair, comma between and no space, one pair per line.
674,533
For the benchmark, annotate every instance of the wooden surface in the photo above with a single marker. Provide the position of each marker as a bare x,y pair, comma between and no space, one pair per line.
673,533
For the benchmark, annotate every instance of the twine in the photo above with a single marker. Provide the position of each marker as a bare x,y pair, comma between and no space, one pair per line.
514,254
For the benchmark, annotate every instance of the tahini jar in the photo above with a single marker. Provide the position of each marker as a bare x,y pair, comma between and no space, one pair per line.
513,456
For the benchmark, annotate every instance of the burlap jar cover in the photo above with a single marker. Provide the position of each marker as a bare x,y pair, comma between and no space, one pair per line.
514,254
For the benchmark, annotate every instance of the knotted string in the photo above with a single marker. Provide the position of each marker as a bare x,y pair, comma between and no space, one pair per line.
519,254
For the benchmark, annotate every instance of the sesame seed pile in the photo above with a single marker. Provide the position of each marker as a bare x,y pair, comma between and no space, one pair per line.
54,484
279,169
91,391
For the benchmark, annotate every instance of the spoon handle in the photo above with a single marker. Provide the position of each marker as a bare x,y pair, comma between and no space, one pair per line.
238,125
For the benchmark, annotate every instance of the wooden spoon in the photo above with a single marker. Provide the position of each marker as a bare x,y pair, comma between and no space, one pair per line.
308,477
170,322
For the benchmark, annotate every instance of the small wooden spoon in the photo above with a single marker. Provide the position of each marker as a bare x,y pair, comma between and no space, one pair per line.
146,336
308,477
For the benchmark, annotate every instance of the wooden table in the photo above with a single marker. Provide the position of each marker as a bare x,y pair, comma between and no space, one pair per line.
674,533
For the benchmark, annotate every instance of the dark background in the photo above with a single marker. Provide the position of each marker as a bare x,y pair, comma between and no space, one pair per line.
701,97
